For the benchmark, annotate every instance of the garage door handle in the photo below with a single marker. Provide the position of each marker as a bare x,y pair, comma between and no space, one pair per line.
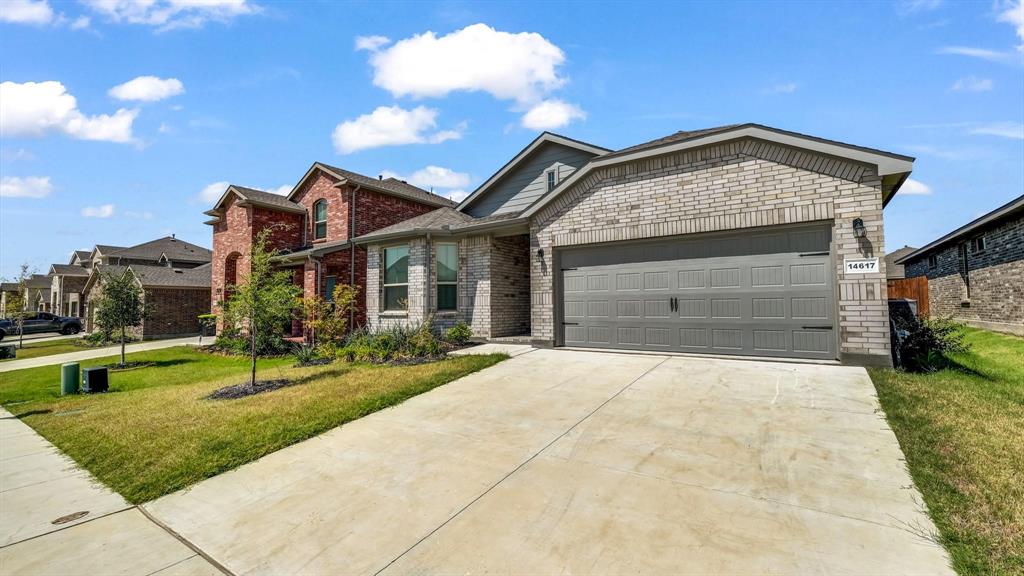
570,323
816,327
814,254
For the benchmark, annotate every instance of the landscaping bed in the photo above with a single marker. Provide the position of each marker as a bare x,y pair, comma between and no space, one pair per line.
157,432
962,431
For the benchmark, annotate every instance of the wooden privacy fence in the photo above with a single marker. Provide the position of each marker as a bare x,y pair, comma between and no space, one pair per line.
911,289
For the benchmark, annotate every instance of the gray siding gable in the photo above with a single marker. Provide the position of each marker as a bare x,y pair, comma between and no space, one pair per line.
527,182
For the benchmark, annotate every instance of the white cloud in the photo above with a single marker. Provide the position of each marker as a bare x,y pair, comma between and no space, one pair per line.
212,192
80,23
147,89
784,88
165,128
27,187
38,108
104,211
1013,14
433,177
972,84
282,190
915,188
520,67
26,12
390,126
1013,130
550,114
907,7
172,14
982,53
17,154
456,195
371,43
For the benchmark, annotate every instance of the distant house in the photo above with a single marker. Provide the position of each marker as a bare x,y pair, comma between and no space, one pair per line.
66,283
7,291
174,297
976,272
37,293
894,271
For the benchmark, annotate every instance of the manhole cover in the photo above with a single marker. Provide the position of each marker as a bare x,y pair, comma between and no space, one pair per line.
70,517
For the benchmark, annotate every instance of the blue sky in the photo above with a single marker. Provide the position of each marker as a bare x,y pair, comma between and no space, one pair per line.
120,120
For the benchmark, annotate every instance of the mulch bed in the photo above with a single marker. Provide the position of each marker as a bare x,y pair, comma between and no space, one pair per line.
244,390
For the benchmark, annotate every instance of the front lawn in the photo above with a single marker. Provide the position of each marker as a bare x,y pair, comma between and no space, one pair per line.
156,432
48,348
962,430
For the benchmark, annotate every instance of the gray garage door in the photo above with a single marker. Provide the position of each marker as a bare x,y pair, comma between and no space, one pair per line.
764,293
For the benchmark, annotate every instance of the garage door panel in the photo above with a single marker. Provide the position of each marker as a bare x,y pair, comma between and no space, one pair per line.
758,303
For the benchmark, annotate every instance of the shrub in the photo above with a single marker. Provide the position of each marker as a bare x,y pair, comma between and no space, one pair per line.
233,341
398,343
458,334
98,338
924,345
305,354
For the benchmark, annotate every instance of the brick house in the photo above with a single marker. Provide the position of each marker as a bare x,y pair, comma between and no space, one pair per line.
730,240
312,228
174,297
976,272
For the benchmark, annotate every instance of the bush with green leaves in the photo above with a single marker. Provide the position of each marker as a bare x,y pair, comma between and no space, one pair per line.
925,345
234,341
397,343
459,334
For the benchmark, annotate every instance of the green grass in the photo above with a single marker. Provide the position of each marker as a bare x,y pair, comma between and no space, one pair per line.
156,433
962,430
48,348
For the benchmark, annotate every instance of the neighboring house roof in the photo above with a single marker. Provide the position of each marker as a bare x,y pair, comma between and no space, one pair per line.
81,255
174,249
893,168
104,249
443,221
68,270
544,138
8,286
157,276
1011,208
893,270
390,186
38,281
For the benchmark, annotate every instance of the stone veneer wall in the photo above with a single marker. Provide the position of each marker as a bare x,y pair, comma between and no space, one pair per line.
996,276
733,185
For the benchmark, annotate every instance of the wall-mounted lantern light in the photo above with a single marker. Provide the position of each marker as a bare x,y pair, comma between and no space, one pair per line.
858,228
540,253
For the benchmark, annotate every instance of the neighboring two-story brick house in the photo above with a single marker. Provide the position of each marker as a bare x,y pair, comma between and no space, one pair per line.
976,273
730,240
312,228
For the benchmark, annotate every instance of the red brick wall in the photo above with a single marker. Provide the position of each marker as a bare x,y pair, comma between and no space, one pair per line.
173,311
375,211
321,186
233,234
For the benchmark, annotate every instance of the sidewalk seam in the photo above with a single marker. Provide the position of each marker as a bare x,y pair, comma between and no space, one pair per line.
185,541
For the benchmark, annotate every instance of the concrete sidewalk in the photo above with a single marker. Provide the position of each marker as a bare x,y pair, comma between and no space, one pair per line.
90,353
58,520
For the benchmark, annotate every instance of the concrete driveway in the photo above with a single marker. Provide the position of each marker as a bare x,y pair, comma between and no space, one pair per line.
580,462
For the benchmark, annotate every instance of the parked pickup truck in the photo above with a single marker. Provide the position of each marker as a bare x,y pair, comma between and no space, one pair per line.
42,322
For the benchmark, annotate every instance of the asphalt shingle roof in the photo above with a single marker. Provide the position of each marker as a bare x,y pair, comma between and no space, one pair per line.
443,219
164,277
392,185
175,249
267,198
69,270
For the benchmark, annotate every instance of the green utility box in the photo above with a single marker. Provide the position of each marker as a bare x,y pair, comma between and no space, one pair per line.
69,378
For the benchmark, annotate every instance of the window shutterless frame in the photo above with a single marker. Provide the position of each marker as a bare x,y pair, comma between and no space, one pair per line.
552,179
447,276
396,278
320,220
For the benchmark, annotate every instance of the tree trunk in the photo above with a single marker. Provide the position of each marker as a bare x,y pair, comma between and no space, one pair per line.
122,346
21,334
252,337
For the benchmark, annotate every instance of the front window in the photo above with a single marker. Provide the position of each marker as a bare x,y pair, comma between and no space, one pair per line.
396,278
447,276
978,244
329,288
552,180
933,261
320,220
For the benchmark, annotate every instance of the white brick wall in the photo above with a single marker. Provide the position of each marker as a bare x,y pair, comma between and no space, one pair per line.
740,184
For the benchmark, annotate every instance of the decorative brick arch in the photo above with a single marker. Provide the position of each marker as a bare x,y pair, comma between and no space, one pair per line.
230,272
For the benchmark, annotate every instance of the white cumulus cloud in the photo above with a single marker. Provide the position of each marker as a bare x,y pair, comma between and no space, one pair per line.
915,188
550,114
972,84
212,192
1013,14
433,177
371,43
39,108
509,66
172,14
27,187
147,89
104,211
456,195
390,126
36,12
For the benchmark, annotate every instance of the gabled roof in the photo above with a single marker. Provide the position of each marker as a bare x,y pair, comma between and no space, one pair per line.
251,196
892,269
544,138
173,248
443,221
104,249
68,270
1011,208
157,276
38,281
894,168
8,286
390,186
82,255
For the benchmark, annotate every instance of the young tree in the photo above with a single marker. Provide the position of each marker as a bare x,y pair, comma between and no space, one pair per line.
19,303
328,319
120,306
265,299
